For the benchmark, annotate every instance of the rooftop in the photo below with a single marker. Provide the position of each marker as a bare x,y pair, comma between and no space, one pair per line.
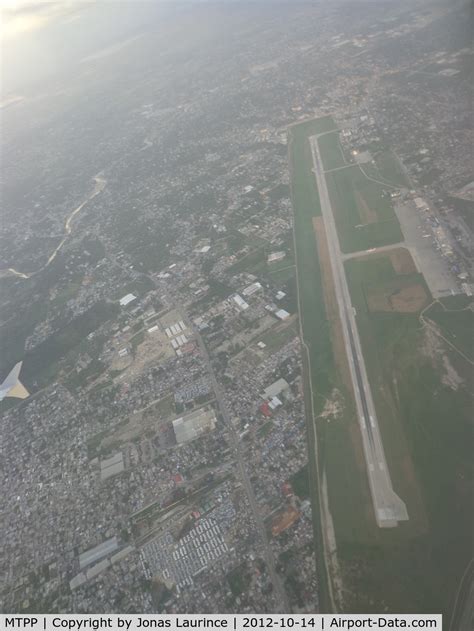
191,426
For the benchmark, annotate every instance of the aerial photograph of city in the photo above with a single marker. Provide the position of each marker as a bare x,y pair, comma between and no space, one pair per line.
237,307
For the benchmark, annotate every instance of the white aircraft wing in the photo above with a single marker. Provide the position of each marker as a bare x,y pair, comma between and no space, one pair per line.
12,386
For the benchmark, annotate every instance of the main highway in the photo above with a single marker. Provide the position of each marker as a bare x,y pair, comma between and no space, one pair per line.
389,508
280,593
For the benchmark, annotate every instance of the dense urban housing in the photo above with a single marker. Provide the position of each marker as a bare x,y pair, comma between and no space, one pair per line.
236,308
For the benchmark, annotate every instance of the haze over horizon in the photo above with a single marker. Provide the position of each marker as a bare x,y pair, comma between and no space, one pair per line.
236,308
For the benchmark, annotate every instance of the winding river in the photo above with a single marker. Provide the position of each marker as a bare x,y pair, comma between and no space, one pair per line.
100,183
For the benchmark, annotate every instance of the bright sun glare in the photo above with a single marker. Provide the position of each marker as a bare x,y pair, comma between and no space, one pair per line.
12,24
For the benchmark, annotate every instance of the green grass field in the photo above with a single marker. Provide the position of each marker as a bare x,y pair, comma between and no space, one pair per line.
137,339
457,326
265,429
164,408
331,151
390,329
364,216
280,272
281,276
275,340
312,313
387,169
300,483
425,424
253,262
347,484
390,169
313,127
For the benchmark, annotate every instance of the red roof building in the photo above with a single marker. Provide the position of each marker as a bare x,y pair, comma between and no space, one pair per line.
178,478
265,409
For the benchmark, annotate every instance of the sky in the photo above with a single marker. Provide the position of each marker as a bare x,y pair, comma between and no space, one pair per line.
39,39
29,44
43,38
20,17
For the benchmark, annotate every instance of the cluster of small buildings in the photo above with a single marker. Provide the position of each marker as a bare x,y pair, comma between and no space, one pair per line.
121,481
178,562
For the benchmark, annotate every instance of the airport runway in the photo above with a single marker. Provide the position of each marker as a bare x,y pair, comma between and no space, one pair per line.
388,507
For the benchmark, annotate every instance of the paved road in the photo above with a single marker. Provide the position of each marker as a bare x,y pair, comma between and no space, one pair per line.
388,507
281,596
382,248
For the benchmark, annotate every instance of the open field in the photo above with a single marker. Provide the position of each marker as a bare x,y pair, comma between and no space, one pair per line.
317,361
389,169
312,127
306,206
405,294
300,483
402,261
279,335
456,325
363,213
371,283
389,507
331,151
339,444
255,262
252,262
425,424
42,362
282,276
343,457
429,551
386,168
280,272
330,301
